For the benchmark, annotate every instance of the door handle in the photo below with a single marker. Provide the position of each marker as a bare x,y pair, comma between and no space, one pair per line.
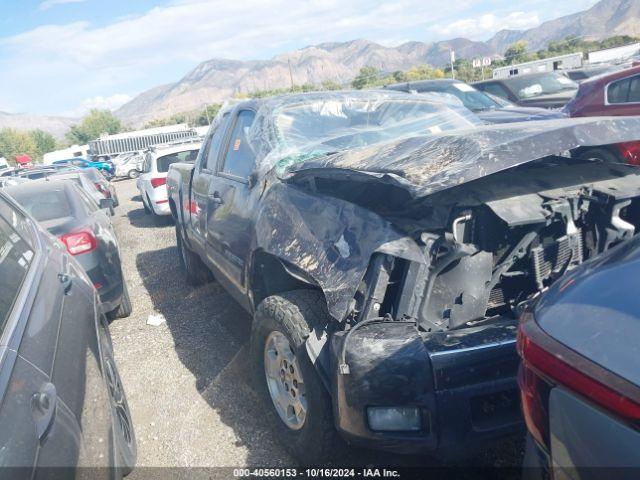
65,277
43,405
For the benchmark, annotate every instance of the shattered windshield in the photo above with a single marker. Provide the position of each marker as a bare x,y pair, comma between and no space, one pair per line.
309,129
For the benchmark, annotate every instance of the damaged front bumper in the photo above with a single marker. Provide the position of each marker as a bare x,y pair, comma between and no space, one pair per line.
462,383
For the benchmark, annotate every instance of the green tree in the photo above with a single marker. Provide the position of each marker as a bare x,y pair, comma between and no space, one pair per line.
207,115
13,143
44,141
517,52
331,85
366,77
94,124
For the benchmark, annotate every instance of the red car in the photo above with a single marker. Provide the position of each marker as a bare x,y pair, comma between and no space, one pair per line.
617,94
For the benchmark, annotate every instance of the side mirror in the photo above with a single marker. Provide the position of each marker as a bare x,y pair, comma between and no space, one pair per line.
253,179
106,203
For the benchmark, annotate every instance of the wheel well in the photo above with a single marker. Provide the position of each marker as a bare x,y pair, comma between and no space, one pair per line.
271,275
606,153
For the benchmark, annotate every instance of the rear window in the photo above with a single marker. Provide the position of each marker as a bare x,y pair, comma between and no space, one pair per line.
163,163
45,205
15,258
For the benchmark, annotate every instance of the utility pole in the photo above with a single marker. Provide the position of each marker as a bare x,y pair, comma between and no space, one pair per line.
452,58
290,72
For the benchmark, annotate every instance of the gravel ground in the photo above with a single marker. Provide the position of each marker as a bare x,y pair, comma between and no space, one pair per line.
187,379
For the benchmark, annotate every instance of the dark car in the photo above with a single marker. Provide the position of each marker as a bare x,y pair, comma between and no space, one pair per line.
92,181
544,90
616,93
579,75
68,213
385,246
62,404
580,373
483,105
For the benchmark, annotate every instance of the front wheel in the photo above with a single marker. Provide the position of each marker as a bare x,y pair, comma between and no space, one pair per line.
295,398
133,174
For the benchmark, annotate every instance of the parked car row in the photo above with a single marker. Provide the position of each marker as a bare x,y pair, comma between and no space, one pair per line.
63,405
419,275
386,245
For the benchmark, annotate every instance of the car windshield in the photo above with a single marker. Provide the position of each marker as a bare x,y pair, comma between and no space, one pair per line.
471,98
527,87
324,126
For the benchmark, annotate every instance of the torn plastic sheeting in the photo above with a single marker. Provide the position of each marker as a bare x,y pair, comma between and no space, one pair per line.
427,164
330,239
294,128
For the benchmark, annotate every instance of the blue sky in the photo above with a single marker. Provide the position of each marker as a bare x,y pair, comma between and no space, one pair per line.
66,56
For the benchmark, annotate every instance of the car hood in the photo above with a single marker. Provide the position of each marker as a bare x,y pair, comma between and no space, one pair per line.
518,114
427,164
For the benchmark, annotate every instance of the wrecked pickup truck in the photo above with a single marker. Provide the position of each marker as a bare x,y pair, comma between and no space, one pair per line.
385,244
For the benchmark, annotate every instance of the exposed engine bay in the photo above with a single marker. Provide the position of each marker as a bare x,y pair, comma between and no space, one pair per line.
497,242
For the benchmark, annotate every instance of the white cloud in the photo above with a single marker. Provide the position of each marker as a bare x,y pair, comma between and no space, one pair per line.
47,4
481,27
81,60
112,103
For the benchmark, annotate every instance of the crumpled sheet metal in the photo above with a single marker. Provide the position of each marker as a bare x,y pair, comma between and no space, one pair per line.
428,164
330,239
289,129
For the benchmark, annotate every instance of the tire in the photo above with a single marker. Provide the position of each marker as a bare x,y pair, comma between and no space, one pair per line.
133,174
292,314
126,451
195,270
601,154
147,208
125,308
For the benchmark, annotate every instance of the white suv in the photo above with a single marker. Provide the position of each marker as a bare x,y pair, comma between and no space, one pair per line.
152,181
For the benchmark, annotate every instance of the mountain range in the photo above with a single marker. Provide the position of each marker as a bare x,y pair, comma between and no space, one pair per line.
219,79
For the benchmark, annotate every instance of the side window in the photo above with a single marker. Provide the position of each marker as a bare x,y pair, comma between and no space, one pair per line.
617,92
239,158
213,147
634,90
15,258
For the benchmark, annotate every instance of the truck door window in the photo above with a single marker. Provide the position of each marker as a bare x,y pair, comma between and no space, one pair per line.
239,158
213,145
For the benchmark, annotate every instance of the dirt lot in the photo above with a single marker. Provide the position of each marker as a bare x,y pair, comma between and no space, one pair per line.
187,379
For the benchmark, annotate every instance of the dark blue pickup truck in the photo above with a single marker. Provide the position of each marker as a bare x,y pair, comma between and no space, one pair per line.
385,244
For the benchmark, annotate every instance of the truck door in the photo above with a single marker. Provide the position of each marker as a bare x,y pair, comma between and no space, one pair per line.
204,171
229,212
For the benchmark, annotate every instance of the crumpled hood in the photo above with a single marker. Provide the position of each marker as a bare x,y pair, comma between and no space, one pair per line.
427,164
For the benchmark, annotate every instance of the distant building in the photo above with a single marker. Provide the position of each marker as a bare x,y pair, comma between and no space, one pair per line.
614,55
3,163
111,145
72,152
561,62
